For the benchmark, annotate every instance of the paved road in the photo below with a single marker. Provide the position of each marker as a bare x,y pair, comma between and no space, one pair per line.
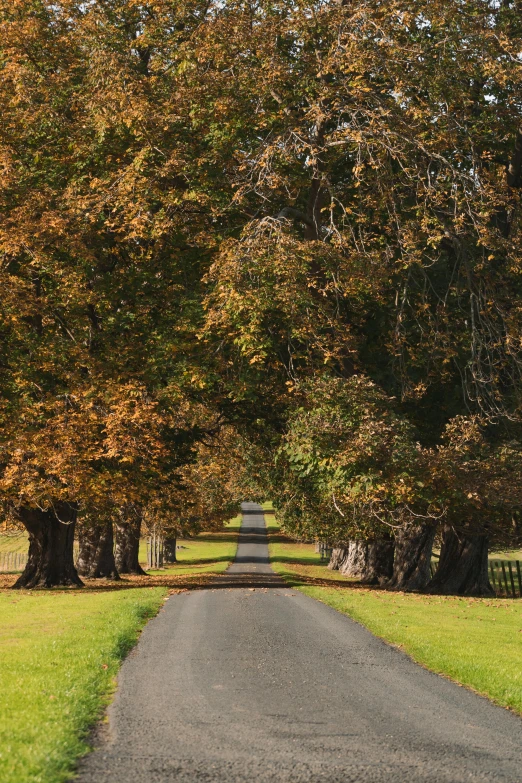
236,683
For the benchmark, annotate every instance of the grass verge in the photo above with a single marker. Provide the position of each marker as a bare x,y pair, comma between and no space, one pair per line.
296,561
475,641
205,553
59,654
61,649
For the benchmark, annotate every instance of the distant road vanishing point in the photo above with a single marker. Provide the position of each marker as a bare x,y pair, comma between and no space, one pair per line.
249,680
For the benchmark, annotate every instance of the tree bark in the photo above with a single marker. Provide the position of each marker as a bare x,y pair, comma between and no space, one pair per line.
355,561
463,566
411,566
169,549
338,556
155,551
127,546
96,557
50,561
379,562
514,167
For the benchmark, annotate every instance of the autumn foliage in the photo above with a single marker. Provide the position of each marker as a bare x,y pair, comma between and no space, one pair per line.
269,249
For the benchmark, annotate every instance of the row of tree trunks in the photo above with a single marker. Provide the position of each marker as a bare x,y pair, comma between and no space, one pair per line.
405,563
50,561
99,558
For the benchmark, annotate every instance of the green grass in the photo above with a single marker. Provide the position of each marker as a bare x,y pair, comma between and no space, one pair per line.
513,554
16,541
59,654
205,553
475,641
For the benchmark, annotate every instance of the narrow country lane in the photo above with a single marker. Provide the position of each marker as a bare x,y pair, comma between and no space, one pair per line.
252,681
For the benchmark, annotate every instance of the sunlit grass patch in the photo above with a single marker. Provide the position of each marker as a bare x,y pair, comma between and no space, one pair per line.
59,654
475,641
216,548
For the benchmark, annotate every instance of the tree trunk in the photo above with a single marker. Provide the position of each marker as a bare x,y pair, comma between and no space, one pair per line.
463,566
96,557
155,549
169,549
127,546
411,566
379,562
356,559
338,556
50,561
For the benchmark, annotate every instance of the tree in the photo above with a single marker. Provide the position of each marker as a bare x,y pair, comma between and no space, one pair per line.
103,248
96,551
385,240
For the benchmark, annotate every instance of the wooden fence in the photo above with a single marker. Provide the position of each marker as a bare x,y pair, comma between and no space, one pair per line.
155,553
12,561
506,577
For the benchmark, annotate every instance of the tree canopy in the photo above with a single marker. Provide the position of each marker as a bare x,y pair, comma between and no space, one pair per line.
263,247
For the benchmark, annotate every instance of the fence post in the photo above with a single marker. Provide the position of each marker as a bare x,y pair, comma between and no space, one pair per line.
505,576
519,578
493,580
511,579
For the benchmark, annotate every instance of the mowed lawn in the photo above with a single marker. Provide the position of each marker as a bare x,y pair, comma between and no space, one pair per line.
475,641
14,541
60,651
59,654
205,553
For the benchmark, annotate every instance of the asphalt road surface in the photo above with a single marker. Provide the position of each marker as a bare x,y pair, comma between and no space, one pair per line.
252,681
